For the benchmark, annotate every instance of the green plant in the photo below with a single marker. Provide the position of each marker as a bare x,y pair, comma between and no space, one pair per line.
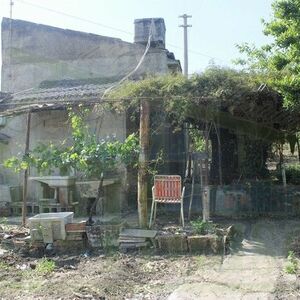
292,266
197,140
277,63
203,227
87,155
4,266
292,174
45,266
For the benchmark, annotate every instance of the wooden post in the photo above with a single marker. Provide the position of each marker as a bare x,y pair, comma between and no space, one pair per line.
298,146
219,154
206,150
205,189
25,179
143,162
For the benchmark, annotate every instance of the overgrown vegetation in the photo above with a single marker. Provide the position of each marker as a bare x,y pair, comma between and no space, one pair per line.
213,97
86,155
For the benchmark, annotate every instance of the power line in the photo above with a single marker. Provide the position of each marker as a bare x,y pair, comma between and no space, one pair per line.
73,17
108,27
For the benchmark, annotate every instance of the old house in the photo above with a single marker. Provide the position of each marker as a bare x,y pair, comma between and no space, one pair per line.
45,68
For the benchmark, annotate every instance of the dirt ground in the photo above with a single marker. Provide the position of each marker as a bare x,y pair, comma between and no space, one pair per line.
254,270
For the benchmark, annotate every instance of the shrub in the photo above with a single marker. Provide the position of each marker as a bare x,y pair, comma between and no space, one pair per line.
202,227
292,173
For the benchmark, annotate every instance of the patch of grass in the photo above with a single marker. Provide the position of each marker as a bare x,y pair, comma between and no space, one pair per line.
3,266
292,266
200,260
45,266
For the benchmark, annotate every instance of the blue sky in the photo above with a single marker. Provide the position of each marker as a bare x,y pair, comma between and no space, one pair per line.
217,25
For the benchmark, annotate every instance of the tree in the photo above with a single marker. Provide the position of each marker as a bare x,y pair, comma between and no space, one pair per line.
86,155
278,63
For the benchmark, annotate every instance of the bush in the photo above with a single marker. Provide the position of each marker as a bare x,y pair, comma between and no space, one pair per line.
292,173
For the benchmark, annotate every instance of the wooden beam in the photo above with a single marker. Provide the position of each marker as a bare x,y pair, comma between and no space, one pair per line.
143,162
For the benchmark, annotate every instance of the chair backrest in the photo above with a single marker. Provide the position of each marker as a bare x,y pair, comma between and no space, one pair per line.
167,188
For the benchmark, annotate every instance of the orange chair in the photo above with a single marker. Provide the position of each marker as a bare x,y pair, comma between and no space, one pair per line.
166,189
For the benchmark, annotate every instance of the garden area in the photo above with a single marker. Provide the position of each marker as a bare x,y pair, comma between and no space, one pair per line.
167,187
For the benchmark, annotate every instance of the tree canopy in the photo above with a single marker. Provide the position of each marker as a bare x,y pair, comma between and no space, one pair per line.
278,63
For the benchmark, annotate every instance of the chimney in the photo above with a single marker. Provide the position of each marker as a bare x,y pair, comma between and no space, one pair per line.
141,32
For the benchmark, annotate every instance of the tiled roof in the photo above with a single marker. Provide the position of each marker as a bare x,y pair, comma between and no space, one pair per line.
50,98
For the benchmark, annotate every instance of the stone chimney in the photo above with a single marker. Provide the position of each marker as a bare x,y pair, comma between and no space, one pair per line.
141,32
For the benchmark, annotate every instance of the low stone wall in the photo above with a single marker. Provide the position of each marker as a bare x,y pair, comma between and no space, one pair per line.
181,243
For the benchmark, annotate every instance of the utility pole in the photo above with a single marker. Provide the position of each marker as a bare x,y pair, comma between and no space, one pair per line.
185,27
11,4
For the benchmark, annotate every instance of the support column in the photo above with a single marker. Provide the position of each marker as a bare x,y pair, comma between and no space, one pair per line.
143,162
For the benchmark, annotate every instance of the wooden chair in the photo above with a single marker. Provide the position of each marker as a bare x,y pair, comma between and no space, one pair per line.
166,189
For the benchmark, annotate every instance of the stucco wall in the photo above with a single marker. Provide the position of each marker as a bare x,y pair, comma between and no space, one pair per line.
37,52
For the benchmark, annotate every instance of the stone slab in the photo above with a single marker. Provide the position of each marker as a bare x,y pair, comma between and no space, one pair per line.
139,233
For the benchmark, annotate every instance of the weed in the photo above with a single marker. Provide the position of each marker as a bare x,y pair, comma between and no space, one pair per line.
45,266
4,223
292,266
203,227
200,260
4,266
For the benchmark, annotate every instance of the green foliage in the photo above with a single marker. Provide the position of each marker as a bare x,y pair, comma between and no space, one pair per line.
4,266
197,140
292,266
220,86
203,227
292,174
277,63
86,155
45,266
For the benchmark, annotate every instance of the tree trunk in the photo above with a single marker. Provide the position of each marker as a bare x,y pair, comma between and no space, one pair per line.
99,198
143,162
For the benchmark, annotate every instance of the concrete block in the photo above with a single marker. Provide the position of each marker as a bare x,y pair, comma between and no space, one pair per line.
50,224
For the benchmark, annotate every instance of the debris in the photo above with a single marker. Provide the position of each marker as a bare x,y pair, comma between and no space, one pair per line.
76,227
135,238
22,267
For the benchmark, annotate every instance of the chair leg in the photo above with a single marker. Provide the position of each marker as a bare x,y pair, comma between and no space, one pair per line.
155,209
182,215
151,214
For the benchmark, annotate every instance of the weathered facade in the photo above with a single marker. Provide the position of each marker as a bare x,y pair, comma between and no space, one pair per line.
42,65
